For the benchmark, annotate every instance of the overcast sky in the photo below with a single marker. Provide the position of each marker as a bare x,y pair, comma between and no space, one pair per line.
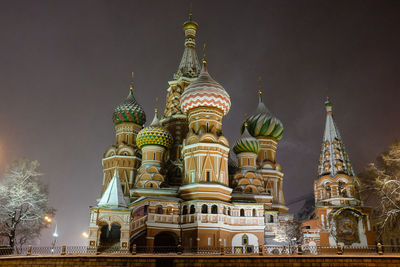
65,65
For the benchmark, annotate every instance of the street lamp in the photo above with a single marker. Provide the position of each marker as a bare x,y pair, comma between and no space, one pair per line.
55,233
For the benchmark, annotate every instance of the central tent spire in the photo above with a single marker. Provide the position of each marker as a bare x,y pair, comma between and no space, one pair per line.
190,65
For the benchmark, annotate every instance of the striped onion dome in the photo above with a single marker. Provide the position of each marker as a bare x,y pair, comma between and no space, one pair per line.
263,123
129,111
246,143
155,134
205,92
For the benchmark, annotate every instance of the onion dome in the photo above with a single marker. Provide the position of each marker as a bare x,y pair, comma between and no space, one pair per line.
263,123
155,134
246,143
129,111
205,92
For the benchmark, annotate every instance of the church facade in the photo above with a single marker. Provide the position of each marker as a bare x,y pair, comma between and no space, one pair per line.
174,182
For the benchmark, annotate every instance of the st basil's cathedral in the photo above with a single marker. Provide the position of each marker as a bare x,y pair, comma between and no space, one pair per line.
173,183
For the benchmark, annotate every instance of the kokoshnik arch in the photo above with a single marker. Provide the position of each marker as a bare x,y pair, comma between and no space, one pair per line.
174,182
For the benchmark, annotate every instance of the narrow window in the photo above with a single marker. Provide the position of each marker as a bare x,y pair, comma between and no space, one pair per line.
204,209
185,210
207,127
214,209
192,209
271,219
207,176
241,212
248,161
159,210
254,213
154,156
229,211
265,155
127,139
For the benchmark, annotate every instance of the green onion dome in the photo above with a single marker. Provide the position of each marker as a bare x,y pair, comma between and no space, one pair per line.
129,111
263,123
155,134
246,143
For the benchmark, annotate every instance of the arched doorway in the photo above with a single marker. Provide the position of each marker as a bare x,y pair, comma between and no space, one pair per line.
165,242
110,237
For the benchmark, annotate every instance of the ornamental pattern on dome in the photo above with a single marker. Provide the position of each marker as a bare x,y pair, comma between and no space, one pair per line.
205,92
246,143
129,111
155,134
263,123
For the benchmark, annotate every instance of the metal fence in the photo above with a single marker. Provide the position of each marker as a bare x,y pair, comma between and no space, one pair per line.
180,250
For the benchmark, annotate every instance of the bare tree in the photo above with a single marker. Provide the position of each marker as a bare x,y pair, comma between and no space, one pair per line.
288,232
382,181
23,203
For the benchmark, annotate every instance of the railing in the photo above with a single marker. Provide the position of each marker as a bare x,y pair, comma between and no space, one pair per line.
228,251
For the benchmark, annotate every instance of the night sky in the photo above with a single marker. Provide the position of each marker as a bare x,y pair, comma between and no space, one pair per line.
65,65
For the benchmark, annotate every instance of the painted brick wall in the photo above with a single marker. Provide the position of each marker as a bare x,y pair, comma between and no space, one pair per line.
186,261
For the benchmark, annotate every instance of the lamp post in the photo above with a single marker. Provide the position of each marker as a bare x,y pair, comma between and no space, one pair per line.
55,233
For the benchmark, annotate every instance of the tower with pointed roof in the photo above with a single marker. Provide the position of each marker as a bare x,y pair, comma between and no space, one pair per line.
268,130
339,215
124,156
174,119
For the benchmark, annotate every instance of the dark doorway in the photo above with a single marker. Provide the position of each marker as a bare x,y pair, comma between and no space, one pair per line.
140,241
110,238
165,242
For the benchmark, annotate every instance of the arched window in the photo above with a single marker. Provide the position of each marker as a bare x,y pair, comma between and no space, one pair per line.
159,210
214,209
229,211
241,212
224,210
185,210
192,209
204,208
271,219
254,213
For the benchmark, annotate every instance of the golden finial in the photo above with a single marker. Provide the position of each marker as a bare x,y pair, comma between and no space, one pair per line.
190,11
259,88
204,54
131,86
246,124
156,111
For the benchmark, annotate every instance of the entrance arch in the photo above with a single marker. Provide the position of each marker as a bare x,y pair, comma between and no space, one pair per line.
165,242
110,237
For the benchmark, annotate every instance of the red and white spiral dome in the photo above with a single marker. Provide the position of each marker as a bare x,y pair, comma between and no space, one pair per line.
205,92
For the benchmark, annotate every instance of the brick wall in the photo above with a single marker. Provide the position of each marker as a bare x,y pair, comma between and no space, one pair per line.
199,261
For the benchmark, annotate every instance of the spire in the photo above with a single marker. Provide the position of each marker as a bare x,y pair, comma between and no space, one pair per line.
333,158
261,108
189,66
204,61
131,83
113,196
156,121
